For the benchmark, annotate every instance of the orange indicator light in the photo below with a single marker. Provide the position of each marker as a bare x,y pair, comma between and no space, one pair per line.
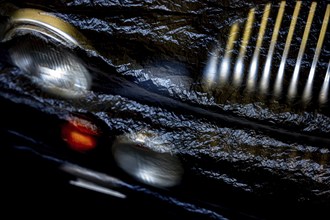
80,134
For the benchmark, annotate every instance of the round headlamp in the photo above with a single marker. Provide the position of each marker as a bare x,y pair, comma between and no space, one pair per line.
43,49
135,155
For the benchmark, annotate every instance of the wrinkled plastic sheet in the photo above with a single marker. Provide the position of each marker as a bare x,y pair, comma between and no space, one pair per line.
147,71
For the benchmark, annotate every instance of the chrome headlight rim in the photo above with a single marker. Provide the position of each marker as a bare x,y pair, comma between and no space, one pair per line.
27,20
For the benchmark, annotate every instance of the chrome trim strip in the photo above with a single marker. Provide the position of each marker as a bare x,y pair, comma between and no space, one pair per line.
91,186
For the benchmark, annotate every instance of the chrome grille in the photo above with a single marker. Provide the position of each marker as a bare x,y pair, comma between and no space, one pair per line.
299,34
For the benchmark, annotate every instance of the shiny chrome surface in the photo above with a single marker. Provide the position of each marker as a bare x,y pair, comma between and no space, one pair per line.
95,181
239,67
94,187
280,74
276,79
224,70
46,23
295,77
252,77
307,95
264,83
325,87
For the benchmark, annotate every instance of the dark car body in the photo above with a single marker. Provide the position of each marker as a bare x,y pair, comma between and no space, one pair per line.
243,157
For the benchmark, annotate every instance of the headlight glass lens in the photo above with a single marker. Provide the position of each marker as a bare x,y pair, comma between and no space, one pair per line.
158,169
42,47
54,69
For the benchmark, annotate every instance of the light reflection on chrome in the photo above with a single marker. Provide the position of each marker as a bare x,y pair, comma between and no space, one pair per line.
94,187
211,68
224,70
276,82
264,83
27,20
323,98
294,81
253,73
151,167
307,95
92,180
280,74
239,66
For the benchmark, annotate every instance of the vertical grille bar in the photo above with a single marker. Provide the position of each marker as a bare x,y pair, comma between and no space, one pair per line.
287,72
264,83
251,81
280,74
294,81
239,66
307,95
224,70
323,98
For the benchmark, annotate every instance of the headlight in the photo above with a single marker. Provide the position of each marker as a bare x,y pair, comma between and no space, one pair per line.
41,49
159,169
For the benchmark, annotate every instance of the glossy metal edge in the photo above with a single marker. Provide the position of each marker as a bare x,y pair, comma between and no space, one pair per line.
46,23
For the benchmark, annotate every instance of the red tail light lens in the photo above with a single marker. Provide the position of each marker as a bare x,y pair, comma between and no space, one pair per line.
80,134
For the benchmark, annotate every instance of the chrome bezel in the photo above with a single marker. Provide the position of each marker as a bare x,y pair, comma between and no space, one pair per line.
28,20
